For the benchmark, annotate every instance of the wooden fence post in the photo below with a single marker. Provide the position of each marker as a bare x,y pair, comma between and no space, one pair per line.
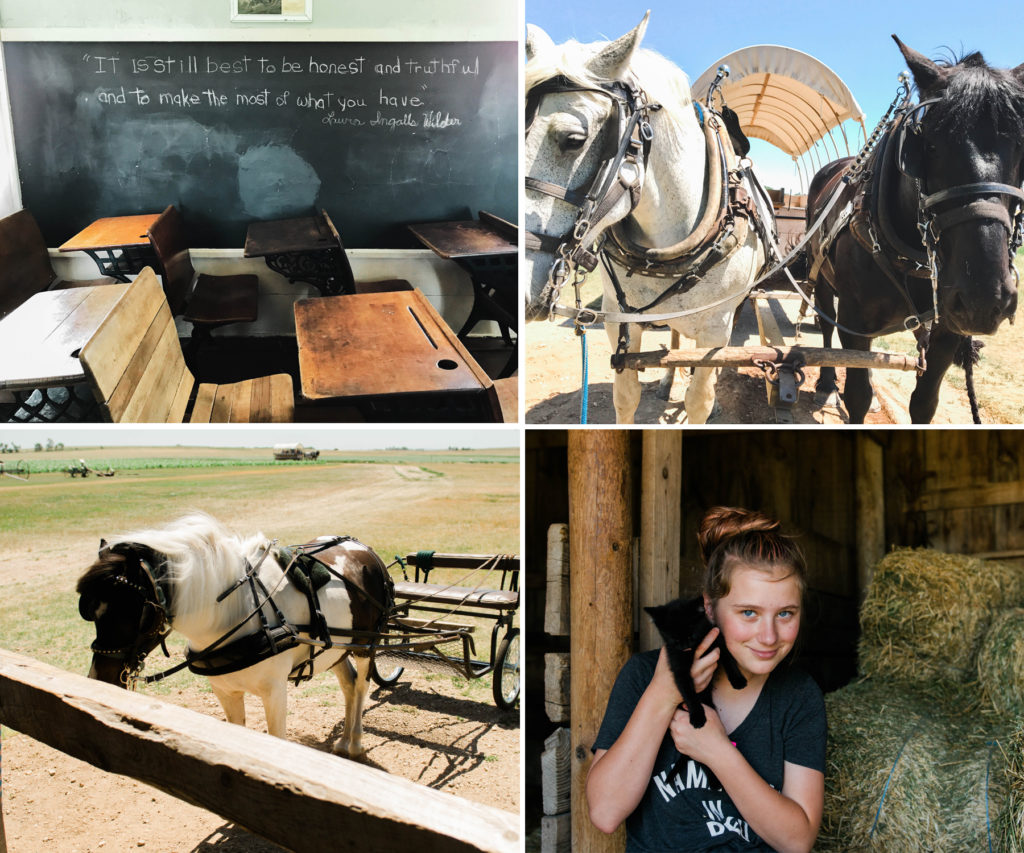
295,796
600,600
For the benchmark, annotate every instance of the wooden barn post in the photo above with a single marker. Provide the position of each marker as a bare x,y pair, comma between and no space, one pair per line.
869,509
661,473
600,600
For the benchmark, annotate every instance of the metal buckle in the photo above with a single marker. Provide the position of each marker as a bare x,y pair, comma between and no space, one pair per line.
585,312
912,323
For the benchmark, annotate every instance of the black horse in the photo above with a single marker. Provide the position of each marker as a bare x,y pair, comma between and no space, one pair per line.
929,226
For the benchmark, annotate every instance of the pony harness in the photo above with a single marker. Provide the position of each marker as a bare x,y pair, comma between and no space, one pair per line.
307,572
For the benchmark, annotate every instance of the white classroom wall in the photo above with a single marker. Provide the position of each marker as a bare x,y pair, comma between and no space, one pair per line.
446,286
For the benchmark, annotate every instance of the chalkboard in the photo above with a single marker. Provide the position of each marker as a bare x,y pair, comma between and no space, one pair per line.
379,134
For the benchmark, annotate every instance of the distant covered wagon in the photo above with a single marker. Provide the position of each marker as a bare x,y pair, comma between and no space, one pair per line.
294,451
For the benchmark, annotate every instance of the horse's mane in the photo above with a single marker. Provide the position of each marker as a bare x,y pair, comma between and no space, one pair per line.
979,94
663,81
203,560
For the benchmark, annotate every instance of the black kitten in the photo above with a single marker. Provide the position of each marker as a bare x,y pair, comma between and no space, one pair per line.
682,625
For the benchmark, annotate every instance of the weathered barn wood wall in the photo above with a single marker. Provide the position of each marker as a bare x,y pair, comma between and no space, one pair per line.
956,490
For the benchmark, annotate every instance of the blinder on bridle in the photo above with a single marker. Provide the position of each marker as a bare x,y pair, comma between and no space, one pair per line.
620,172
141,575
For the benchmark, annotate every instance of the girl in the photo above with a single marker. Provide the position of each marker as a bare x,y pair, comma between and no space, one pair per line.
765,743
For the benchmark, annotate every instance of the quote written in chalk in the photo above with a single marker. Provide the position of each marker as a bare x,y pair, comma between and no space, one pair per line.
392,93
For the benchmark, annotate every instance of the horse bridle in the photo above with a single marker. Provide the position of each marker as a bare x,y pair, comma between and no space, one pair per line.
154,592
620,173
930,223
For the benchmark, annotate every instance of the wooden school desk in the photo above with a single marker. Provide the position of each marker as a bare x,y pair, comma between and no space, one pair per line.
300,249
391,355
40,341
486,249
118,244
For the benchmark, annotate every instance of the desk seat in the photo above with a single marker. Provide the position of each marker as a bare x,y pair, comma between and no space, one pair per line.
223,299
138,373
25,268
492,599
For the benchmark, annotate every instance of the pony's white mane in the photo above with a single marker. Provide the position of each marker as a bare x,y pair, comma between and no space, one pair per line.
663,81
203,559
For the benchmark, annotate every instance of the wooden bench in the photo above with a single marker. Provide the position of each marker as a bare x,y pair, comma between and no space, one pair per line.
25,268
138,373
420,592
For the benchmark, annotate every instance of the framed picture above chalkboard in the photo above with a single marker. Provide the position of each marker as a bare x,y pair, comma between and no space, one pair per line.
271,10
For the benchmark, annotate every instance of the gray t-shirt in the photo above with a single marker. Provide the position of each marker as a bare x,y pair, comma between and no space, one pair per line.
787,723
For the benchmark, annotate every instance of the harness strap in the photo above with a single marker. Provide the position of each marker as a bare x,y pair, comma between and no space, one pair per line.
574,197
974,210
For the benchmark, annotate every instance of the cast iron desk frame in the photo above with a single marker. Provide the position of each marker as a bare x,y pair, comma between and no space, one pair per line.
300,249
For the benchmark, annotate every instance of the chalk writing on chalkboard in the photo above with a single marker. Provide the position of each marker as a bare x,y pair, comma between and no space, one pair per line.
379,134
339,107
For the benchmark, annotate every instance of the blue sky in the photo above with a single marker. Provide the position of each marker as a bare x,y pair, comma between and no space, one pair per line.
852,38
325,438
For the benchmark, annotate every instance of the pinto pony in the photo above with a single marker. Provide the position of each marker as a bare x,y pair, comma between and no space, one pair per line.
250,624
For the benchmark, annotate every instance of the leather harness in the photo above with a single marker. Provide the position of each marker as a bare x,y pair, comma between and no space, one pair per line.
226,655
864,207
722,228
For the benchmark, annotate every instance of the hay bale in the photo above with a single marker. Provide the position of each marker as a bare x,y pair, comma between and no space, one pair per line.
926,612
974,779
1009,829
930,760
1001,663
882,743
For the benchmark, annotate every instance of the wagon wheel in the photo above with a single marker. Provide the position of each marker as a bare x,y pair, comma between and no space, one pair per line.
390,676
21,470
506,671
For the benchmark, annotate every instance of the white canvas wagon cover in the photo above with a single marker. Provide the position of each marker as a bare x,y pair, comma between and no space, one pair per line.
785,97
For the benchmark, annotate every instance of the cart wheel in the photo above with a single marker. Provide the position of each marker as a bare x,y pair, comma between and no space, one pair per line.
506,671
21,469
389,677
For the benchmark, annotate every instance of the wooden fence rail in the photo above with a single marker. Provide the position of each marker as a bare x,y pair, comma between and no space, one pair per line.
300,798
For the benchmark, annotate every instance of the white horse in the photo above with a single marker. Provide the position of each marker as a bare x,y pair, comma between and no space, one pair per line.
573,124
195,577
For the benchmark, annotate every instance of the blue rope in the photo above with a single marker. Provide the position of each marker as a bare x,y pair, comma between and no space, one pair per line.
584,391
885,790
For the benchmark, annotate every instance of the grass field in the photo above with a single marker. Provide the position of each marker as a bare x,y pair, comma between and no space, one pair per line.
397,502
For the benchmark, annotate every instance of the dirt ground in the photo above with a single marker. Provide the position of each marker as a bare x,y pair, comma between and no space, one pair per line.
437,731
553,379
